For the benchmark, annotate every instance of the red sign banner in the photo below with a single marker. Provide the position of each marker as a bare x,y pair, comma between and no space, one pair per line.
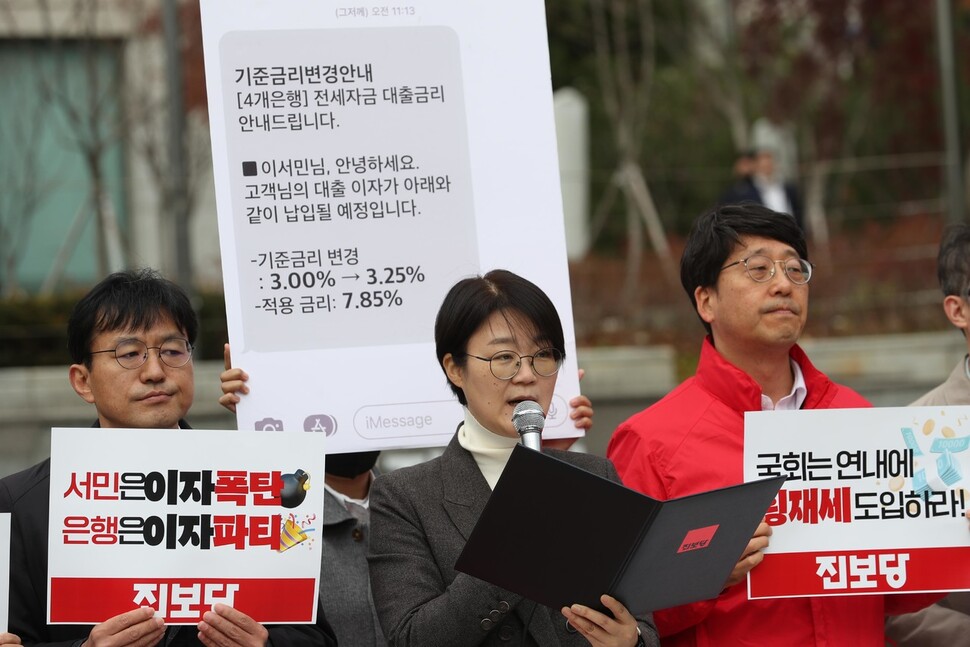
181,601
862,571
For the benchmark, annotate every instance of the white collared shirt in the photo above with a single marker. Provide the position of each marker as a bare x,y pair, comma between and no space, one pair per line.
794,400
344,499
773,195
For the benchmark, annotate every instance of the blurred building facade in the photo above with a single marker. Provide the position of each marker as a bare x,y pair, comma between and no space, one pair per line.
85,175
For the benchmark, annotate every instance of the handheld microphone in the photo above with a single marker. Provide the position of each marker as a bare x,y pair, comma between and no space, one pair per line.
528,419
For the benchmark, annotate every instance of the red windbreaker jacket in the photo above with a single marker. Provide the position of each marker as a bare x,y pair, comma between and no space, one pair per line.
692,441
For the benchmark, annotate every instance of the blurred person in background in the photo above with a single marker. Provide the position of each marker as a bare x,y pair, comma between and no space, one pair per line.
741,188
759,182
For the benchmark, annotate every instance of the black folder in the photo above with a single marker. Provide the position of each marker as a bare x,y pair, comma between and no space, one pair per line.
557,534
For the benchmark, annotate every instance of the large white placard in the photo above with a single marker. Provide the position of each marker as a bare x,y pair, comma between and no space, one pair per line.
181,519
366,158
874,502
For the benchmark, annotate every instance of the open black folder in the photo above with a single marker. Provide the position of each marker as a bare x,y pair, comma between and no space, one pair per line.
559,535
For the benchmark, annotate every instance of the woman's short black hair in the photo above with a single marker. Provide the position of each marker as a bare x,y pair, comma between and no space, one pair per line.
129,300
470,302
715,234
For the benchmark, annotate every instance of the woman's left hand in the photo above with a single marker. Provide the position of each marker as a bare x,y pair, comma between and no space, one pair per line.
600,629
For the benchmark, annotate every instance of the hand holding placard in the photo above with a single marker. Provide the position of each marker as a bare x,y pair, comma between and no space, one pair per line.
752,556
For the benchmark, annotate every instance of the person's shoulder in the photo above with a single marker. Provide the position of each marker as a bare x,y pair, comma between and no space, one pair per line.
823,391
679,405
677,427
411,488
953,391
845,397
409,476
20,485
933,397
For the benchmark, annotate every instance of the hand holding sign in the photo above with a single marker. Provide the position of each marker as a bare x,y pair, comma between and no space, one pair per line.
752,556
227,626
233,382
138,628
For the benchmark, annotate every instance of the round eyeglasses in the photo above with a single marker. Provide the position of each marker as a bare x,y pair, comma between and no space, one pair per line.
762,269
505,363
175,352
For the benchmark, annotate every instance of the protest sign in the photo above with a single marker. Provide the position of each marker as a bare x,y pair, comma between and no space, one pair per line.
366,158
179,520
874,501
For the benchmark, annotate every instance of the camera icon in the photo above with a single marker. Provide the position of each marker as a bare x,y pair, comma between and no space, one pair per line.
269,424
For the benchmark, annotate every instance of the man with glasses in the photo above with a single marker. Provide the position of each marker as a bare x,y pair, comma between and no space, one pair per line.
746,271
130,339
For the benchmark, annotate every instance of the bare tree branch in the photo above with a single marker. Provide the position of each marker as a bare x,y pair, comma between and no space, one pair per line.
626,95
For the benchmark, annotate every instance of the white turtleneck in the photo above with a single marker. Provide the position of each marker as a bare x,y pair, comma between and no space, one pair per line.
490,451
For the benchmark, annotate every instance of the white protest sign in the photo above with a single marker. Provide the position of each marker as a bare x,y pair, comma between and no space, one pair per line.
366,158
874,502
4,570
181,519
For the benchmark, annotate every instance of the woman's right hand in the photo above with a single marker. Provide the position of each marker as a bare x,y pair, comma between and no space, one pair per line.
233,383
9,639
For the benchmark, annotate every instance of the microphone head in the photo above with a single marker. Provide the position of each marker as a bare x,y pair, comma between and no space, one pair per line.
528,417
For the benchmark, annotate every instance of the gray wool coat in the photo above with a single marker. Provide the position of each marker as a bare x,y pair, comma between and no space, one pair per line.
344,584
421,517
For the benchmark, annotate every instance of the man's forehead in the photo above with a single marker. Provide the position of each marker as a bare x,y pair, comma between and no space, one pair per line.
761,245
164,326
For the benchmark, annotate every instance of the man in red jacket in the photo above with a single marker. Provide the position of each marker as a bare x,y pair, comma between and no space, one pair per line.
746,271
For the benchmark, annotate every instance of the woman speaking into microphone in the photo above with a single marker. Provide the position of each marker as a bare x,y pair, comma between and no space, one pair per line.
499,341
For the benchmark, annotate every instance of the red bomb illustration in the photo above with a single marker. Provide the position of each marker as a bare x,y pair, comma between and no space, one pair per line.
294,490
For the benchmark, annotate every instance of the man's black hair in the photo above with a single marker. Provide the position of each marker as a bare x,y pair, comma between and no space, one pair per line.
129,300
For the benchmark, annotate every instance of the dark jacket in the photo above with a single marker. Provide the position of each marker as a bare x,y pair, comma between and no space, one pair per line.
421,517
745,190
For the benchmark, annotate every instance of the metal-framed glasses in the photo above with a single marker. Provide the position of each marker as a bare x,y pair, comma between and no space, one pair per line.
762,269
132,353
505,364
